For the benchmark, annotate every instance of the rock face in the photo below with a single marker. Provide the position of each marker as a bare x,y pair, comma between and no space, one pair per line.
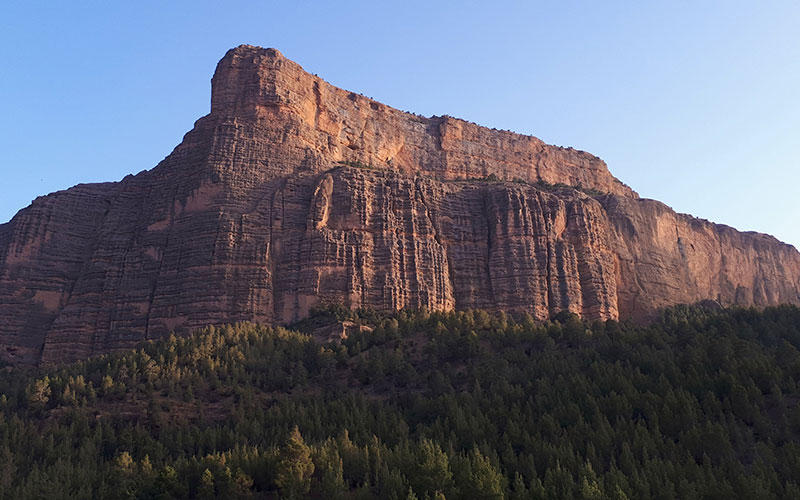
293,193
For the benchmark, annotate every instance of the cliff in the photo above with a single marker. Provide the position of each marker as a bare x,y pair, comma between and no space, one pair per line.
293,193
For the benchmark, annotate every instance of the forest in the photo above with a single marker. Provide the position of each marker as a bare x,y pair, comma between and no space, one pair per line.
702,403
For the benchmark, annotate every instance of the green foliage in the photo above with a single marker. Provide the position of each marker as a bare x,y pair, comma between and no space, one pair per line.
39,393
431,473
295,467
483,481
700,404
330,470
206,489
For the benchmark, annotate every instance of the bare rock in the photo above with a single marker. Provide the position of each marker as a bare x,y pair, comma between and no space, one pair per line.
293,193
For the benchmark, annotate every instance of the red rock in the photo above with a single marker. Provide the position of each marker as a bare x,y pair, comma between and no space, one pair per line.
293,193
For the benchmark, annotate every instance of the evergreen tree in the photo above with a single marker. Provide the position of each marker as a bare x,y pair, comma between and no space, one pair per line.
699,404
39,393
329,468
205,491
485,482
295,467
432,472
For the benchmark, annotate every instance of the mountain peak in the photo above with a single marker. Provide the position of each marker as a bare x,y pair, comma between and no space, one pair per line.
247,49
245,77
264,89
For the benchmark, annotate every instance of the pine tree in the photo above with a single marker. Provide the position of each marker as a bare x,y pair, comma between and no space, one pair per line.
39,393
7,469
590,489
206,489
485,482
433,468
330,471
242,485
295,467
519,491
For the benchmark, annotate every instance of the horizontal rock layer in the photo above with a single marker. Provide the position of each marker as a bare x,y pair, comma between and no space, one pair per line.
293,193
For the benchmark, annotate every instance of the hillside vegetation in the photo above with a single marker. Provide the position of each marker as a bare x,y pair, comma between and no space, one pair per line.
462,405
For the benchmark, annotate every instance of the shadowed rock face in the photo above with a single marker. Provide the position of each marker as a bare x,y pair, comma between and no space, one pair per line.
293,193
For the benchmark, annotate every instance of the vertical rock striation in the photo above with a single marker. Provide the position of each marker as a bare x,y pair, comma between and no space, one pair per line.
293,193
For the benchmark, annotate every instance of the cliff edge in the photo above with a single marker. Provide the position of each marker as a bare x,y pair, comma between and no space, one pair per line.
293,193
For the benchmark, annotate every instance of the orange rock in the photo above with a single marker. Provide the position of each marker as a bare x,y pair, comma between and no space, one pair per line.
293,193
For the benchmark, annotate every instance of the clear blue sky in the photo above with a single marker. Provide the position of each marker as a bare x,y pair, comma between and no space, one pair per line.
694,103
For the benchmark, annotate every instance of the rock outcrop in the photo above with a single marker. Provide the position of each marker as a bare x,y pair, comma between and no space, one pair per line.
293,193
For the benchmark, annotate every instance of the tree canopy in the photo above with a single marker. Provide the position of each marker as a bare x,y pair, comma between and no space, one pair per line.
701,403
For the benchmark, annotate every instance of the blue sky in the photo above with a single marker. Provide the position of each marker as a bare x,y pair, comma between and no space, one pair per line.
696,104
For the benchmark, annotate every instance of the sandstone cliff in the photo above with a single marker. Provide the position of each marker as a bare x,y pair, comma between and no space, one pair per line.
292,193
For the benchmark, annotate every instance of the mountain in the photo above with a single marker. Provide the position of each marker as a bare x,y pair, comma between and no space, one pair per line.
293,193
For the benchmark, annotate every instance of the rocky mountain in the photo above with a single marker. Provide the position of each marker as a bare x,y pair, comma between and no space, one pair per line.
293,193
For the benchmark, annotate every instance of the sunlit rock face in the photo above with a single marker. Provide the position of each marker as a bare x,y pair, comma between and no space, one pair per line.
293,193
